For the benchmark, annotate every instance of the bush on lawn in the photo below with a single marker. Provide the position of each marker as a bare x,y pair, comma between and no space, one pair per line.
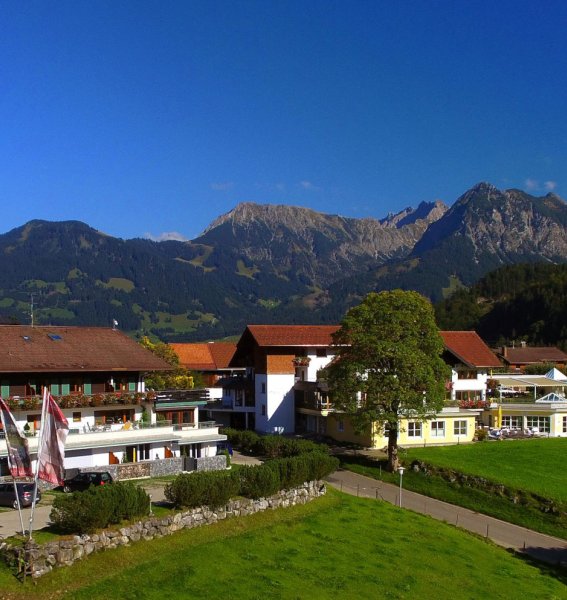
98,507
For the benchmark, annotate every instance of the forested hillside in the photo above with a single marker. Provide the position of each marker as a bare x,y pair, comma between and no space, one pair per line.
521,302
286,264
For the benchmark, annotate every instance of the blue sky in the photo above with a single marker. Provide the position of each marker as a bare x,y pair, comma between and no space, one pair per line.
156,117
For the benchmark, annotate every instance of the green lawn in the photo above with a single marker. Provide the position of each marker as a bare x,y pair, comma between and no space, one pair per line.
532,465
535,465
336,547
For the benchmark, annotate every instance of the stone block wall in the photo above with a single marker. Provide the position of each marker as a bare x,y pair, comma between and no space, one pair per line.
41,559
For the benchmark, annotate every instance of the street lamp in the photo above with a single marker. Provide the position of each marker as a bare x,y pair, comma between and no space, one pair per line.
401,472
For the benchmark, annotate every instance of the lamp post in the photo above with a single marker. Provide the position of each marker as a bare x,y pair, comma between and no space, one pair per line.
401,472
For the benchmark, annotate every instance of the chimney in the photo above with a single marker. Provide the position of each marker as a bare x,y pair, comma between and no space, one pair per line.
504,351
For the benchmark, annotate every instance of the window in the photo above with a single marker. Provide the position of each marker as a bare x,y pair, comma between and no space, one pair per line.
340,426
263,388
468,395
263,410
414,429
76,417
144,452
437,428
466,374
76,386
512,422
460,427
539,423
564,424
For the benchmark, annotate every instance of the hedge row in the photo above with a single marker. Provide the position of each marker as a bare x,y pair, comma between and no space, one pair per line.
98,507
214,488
270,446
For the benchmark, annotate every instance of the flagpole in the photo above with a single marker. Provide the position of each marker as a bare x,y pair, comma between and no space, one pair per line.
39,442
10,467
18,501
19,462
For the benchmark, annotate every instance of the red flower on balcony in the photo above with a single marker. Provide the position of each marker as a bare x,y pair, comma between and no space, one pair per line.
301,361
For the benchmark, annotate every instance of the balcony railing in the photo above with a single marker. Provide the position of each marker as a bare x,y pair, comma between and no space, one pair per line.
315,404
80,400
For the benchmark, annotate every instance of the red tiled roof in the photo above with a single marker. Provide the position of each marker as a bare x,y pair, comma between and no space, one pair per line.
66,349
469,347
206,356
535,354
293,335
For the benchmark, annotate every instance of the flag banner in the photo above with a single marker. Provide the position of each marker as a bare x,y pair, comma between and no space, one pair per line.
19,461
51,451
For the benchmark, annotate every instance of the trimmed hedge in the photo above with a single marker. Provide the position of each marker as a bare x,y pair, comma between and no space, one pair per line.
98,507
258,482
209,488
214,488
270,446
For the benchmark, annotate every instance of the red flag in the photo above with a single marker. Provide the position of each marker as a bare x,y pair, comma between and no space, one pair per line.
51,451
19,461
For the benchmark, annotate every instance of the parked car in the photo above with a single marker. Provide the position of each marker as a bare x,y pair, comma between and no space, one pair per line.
25,492
82,481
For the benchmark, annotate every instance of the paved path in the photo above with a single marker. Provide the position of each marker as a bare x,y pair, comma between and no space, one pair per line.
543,547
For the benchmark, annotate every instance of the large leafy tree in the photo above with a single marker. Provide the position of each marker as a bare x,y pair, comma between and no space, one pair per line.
388,364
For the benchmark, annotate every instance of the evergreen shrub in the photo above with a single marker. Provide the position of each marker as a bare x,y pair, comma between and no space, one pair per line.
259,481
98,507
207,488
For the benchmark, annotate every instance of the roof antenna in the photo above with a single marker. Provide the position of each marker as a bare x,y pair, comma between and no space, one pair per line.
114,324
31,308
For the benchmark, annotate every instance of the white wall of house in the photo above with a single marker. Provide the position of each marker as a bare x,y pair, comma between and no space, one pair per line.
275,405
465,385
316,363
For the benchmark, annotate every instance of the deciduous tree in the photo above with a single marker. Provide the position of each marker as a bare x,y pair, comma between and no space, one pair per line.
388,364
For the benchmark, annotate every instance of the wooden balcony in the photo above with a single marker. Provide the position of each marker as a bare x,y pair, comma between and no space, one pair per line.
80,400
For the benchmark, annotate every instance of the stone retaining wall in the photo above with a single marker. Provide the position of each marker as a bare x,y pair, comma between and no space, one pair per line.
41,559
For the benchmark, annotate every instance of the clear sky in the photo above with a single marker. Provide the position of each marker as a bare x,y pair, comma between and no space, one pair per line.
156,117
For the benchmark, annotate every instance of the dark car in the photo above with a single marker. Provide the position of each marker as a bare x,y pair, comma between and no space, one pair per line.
25,492
82,481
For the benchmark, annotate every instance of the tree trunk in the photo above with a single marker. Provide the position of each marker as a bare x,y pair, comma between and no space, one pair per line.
393,462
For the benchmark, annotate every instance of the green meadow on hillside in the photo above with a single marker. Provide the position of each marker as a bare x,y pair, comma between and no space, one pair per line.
336,547
535,465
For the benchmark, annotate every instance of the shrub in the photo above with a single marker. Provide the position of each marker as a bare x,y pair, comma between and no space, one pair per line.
211,488
271,446
258,482
80,512
129,501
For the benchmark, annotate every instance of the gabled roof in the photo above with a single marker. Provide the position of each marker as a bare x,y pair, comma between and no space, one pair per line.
205,357
469,348
69,349
534,354
293,335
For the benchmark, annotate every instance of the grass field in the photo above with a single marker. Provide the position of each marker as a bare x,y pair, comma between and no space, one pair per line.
536,465
531,465
336,547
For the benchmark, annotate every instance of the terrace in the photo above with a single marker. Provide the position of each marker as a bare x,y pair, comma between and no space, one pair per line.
137,433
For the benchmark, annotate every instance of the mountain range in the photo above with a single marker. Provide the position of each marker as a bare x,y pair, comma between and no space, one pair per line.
266,263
